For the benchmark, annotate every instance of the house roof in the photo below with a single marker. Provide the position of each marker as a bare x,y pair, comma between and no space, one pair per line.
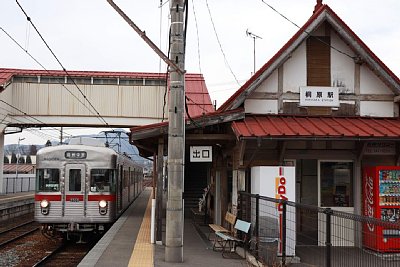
6,75
321,14
211,118
289,126
198,99
22,168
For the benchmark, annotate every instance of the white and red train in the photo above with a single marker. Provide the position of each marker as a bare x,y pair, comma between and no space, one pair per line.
83,188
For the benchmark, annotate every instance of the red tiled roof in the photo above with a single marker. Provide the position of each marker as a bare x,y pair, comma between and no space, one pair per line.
319,10
199,101
197,97
284,126
196,121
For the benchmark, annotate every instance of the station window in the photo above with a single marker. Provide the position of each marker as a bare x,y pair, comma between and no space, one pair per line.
47,180
102,180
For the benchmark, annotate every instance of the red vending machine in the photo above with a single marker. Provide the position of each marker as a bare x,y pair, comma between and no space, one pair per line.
381,197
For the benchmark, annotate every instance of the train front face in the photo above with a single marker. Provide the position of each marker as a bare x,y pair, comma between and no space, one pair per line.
75,189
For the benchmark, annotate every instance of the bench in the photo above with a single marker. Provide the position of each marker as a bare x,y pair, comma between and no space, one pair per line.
228,242
230,220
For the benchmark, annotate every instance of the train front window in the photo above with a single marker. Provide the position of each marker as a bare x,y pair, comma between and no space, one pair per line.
102,180
75,180
47,180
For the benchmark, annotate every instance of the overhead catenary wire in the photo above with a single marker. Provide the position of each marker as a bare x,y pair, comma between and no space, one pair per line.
198,44
197,34
220,45
309,34
29,117
7,122
62,66
44,68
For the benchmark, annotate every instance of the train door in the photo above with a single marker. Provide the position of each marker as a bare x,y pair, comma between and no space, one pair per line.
120,187
129,184
75,201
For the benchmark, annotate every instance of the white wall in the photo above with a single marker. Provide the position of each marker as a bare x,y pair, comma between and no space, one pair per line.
261,106
376,109
295,70
342,66
270,85
371,84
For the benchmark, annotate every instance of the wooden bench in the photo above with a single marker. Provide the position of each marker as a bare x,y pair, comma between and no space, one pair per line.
228,242
230,220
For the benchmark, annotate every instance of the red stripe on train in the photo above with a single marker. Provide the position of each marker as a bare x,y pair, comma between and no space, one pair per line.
79,197
102,197
48,197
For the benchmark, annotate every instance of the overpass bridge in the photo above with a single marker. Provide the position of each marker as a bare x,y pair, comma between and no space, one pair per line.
43,98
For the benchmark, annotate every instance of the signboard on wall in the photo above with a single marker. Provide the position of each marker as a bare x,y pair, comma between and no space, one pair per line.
318,96
201,154
277,182
380,148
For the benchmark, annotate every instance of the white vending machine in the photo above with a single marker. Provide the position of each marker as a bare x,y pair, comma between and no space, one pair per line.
277,182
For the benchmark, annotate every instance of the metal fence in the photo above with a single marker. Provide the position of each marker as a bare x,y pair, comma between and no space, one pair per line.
293,234
21,183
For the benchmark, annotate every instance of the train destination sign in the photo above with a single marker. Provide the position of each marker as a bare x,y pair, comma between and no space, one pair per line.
75,154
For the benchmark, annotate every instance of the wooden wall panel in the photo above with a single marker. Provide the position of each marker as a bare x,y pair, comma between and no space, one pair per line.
318,61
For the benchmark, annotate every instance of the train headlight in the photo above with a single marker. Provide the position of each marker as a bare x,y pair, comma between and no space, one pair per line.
102,204
44,203
44,206
103,207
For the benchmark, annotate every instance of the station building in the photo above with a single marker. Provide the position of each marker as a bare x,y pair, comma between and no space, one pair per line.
324,103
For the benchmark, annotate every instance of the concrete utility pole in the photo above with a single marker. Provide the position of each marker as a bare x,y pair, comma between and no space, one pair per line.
176,127
176,137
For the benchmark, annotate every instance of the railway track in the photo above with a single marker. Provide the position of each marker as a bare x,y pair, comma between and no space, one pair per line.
17,232
66,255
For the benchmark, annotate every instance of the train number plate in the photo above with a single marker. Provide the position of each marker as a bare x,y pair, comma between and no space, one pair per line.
74,200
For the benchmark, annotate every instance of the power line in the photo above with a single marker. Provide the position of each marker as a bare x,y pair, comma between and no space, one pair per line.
26,51
29,116
198,49
63,68
201,106
309,34
42,135
15,119
220,45
41,65
197,33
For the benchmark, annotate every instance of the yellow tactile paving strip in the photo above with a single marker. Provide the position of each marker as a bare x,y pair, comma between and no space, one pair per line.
143,252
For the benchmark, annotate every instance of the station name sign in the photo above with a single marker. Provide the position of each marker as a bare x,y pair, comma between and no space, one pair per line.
317,96
201,154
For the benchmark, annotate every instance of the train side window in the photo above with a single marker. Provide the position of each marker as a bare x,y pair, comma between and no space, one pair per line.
102,180
47,180
75,180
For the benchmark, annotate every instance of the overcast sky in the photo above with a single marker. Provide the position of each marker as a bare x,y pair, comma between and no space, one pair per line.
90,35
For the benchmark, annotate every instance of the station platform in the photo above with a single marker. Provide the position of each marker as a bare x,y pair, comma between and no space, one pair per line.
127,243
16,204
7,198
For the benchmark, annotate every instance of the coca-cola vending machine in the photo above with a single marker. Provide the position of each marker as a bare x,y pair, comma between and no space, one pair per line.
381,195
